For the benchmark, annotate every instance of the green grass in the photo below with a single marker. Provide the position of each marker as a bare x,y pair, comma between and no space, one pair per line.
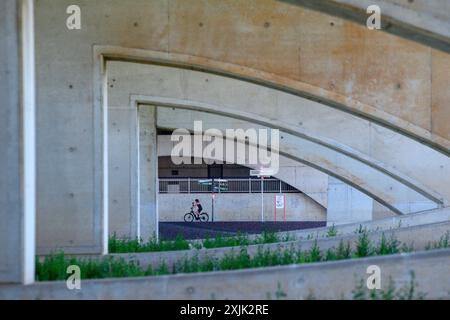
54,266
117,245
134,245
407,292
444,242
332,231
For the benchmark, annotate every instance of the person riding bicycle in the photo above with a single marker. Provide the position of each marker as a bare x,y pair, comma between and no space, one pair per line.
197,208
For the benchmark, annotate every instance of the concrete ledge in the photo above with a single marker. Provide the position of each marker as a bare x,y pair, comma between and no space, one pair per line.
411,230
418,237
330,280
410,220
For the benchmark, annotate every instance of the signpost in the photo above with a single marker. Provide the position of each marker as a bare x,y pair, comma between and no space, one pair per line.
262,173
222,185
280,200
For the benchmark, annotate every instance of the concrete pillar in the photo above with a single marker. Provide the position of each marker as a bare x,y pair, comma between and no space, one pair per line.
346,204
17,141
123,172
148,172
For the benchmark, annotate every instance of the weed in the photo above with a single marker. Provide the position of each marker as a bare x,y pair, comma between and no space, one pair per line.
407,292
280,292
117,245
363,246
388,246
332,231
444,242
343,251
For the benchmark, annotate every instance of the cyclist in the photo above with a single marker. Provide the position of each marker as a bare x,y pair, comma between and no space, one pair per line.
197,208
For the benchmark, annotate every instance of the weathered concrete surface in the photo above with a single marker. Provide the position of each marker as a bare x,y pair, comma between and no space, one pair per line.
241,207
332,130
308,180
213,35
125,173
386,223
346,204
148,163
419,237
17,134
11,212
330,280
425,22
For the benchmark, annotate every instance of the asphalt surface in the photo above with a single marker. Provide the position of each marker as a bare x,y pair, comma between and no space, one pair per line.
201,230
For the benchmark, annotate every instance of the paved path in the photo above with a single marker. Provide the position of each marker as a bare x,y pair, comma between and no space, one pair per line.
199,230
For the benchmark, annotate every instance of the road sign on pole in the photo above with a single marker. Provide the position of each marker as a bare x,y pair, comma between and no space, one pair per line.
262,173
217,185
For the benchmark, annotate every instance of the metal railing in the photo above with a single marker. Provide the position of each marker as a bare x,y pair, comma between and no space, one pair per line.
235,185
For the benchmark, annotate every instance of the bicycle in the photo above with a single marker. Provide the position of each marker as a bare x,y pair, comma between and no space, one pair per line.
191,216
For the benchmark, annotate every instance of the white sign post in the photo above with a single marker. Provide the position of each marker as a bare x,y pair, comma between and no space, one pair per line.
280,203
261,173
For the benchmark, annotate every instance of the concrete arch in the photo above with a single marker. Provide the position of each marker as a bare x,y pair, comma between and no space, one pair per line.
342,148
425,23
71,151
400,166
272,81
368,178
164,150
361,177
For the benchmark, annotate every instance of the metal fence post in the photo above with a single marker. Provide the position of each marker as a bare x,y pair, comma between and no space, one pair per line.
189,186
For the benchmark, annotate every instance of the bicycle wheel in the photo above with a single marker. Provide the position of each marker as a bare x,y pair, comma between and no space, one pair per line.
204,217
188,217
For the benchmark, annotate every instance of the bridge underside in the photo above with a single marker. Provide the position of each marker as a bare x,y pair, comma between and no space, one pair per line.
366,108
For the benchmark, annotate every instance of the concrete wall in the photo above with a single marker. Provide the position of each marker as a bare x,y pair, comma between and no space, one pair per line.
215,35
308,132
427,23
346,204
148,174
17,141
419,237
241,207
133,162
307,179
125,176
331,280
382,224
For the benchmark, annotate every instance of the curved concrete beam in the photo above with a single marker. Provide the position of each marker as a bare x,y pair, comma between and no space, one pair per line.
385,190
425,22
316,177
287,85
309,120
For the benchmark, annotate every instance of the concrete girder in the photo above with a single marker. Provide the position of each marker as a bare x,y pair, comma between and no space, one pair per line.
315,188
70,162
357,175
425,22
303,90
399,165
186,115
